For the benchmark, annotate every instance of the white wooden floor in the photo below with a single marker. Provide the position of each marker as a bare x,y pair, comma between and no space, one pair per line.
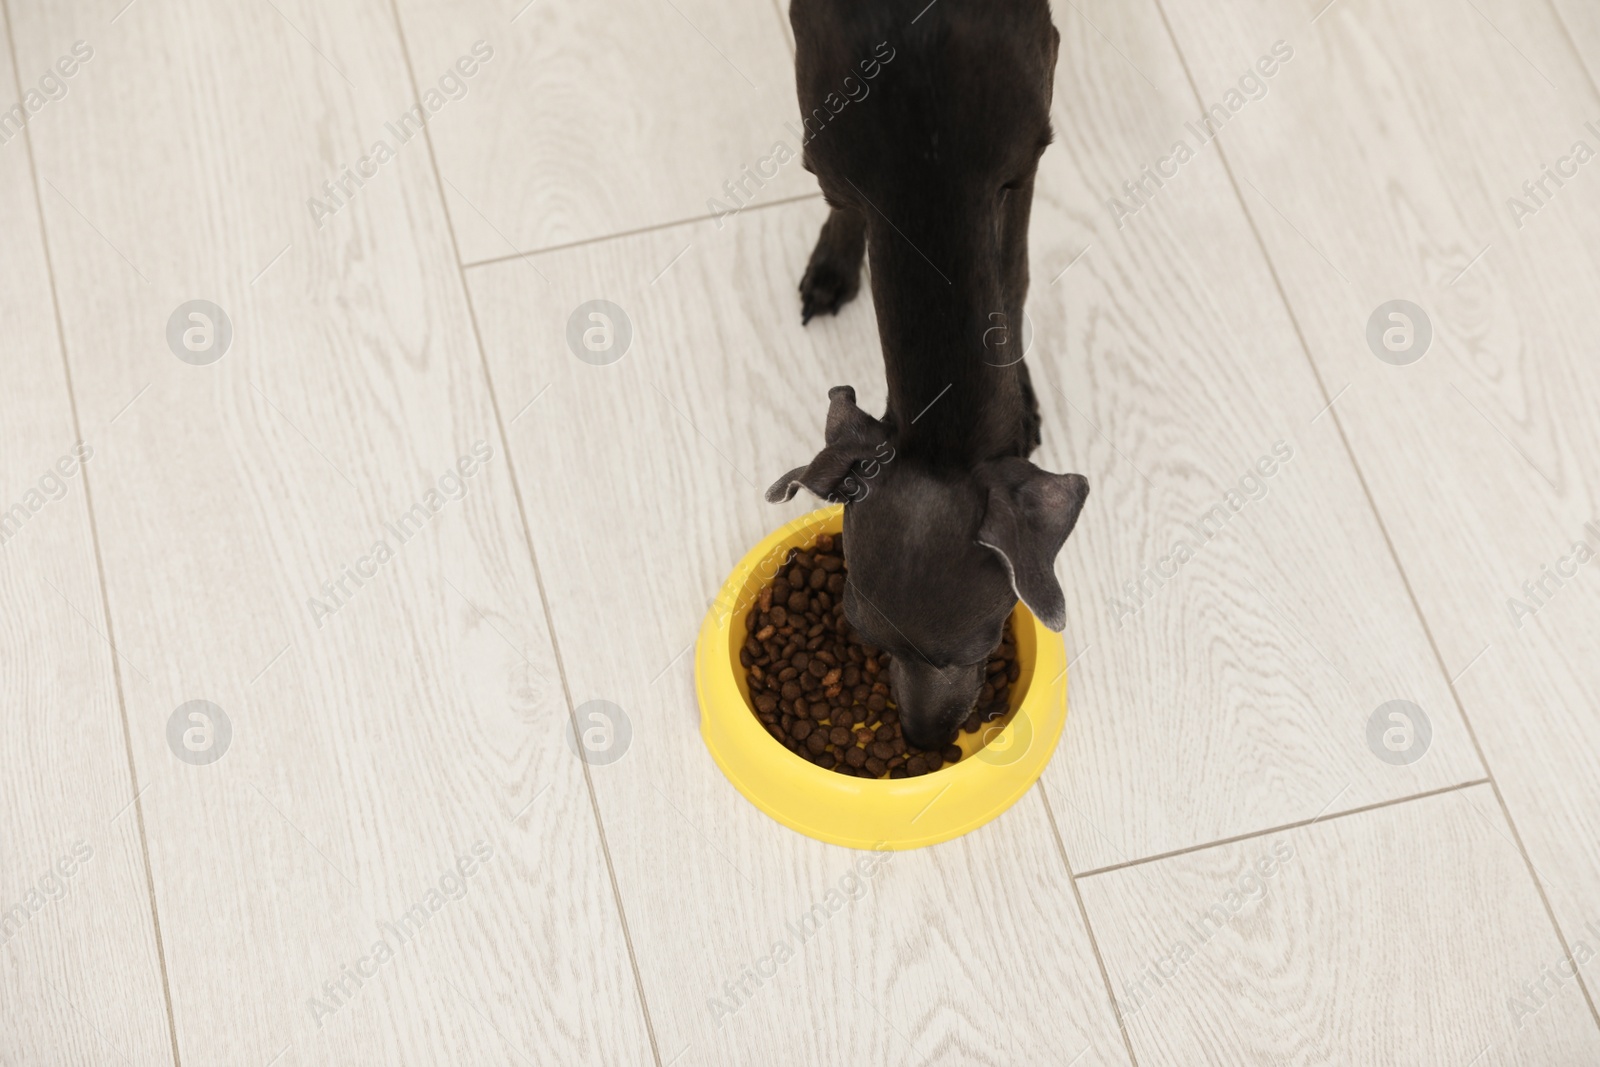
1224,863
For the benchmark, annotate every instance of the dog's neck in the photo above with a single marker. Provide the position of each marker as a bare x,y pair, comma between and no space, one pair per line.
951,350
954,408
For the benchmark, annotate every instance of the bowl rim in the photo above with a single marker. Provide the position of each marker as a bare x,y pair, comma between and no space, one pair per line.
818,802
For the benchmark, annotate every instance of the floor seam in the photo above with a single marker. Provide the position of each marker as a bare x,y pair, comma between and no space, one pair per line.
1088,927
1285,827
533,556
602,239
99,561
1377,515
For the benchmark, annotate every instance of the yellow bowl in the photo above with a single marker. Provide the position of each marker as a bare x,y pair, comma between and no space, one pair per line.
998,765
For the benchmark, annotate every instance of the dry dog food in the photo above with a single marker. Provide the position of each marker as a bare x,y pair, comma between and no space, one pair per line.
825,694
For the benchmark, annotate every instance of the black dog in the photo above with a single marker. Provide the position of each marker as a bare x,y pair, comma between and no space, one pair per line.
947,524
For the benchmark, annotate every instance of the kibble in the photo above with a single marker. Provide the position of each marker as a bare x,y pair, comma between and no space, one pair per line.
825,694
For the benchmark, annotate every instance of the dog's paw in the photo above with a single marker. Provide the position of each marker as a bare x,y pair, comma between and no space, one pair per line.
826,288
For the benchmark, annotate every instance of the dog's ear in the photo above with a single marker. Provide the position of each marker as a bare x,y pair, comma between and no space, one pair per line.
851,435
1030,512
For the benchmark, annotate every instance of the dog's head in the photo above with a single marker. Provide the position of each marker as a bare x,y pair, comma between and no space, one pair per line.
937,557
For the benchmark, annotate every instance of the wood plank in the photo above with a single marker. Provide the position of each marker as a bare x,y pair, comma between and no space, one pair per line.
1401,935
1480,456
373,747
1230,692
602,118
80,973
645,476
1581,23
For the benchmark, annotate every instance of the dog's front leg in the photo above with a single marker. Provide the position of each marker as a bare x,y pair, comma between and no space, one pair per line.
833,276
